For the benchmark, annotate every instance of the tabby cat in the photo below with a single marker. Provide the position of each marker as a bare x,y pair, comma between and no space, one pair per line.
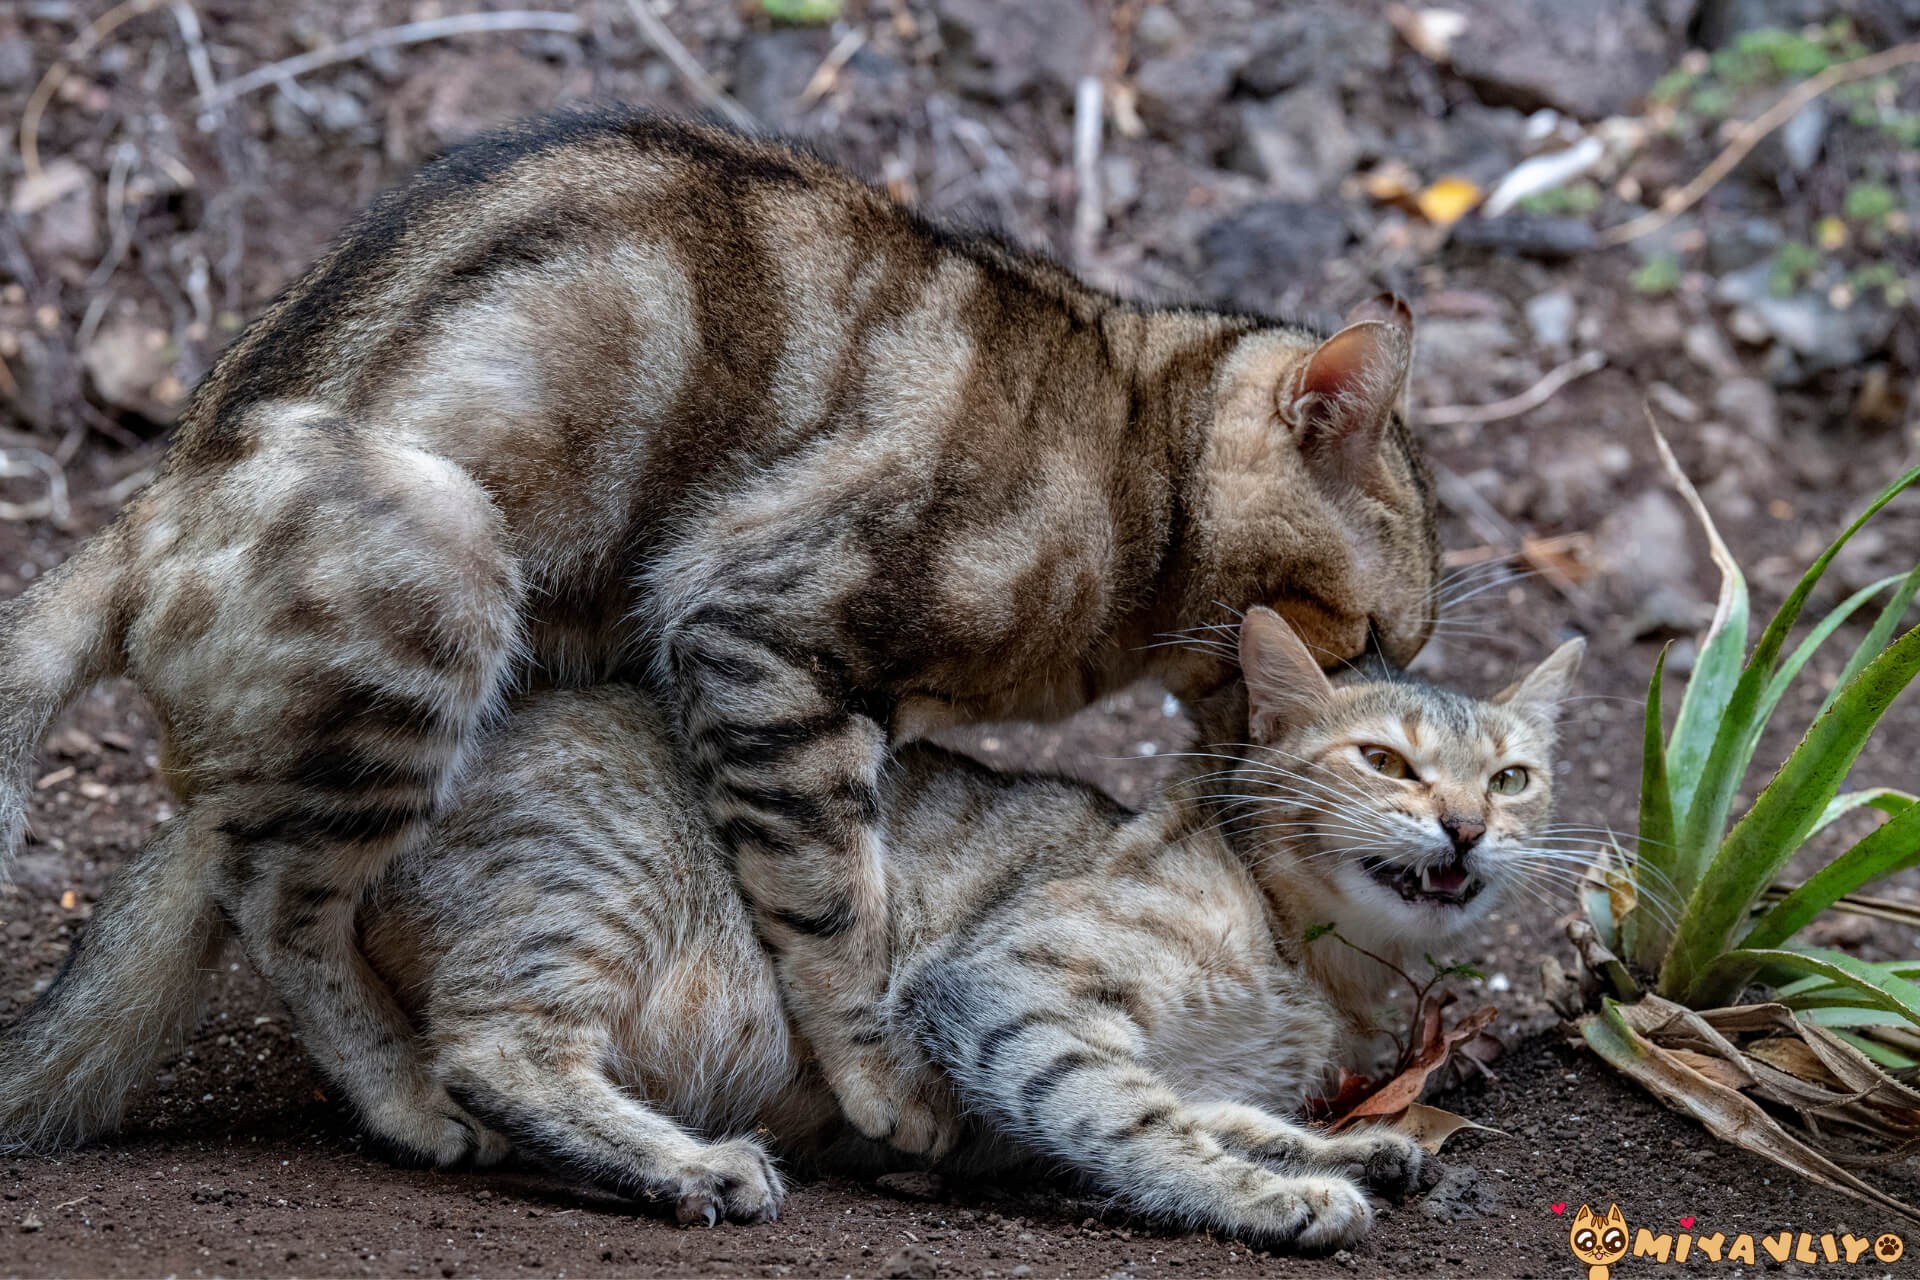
610,396
1127,995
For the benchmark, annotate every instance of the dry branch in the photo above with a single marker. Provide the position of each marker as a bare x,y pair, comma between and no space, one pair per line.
690,71
1449,415
1749,135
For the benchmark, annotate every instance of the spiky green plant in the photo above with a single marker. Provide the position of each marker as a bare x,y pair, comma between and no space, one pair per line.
1699,913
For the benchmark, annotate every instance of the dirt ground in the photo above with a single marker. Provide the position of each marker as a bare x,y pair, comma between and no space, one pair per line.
234,1162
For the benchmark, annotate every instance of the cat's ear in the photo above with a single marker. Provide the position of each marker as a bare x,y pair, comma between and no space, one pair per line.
1285,686
1615,1217
1585,1215
1340,400
1538,696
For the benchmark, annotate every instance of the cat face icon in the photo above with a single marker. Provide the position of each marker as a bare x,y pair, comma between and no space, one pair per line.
1598,1242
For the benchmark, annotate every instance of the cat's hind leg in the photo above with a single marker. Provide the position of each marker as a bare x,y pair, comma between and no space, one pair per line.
325,628
549,1095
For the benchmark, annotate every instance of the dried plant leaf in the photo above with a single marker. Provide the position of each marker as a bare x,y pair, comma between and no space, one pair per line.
1437,1044
1714,1068
1431,1126
1448,200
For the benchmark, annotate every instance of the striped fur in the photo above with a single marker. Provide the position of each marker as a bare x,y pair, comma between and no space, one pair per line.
1124,995
612,396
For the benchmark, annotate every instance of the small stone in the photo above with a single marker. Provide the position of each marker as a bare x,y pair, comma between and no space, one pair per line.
1707,347
1252,257
1751,405
1460,1194
1298,144
1158,30
1671,401
1550,316
16,63
1802,137
31,1223
1590,60
1178,92
130,366
1004,49
773,70
910,1263
913,1185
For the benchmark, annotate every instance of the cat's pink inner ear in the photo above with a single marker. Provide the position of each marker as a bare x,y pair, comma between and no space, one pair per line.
1388,308
1345,393
1285,686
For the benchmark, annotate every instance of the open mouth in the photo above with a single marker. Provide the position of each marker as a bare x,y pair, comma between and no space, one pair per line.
1446,884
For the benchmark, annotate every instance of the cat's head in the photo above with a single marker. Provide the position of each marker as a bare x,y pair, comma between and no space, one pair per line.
1401,809
1316,495
1598,1241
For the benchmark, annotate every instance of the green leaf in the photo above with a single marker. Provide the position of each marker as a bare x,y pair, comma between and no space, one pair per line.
1886,799
1881,1055
1878,634
1781,818
1892,846
1738,731
1316,931
1715,671
801,11
1645,934
1870,982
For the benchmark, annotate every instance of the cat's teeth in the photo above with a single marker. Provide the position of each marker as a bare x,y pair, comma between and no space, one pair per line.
1426,879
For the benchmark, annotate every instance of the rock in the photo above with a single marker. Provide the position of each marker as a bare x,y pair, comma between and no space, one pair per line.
58,209
1820,335
31,1223
1645,553
1733,243
1450,343
16,63
774,68
1005,49
910,1263
1158,30
1549,239
1327,44
1550,316
1707,347
130,367
1460,1194
1298,143
913,1185
42,381
1251,257
1719,21
1750,405
1802,136
1177,92
1589,60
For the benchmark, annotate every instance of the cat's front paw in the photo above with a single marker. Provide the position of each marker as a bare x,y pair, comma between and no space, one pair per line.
734,1181
426,1127
1382,1159
911,1108
1314,1213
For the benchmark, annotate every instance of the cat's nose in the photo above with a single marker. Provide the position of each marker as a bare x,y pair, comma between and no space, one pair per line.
1463,831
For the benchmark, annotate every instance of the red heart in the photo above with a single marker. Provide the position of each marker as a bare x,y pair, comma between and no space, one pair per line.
1559,1207
1687,1221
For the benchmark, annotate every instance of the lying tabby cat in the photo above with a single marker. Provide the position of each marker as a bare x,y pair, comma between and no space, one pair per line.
1124,994
610,396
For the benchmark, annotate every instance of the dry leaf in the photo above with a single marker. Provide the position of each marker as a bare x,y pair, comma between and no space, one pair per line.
1431,1126
1718,1070
69,900
1436,1046
1447,201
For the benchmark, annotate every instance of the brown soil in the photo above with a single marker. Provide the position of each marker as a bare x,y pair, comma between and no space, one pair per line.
234,1162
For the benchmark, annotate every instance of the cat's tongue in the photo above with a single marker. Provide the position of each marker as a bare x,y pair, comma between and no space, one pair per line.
1448,878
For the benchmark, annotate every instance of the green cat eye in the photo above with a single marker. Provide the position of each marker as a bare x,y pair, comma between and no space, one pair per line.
1386,762
1510,781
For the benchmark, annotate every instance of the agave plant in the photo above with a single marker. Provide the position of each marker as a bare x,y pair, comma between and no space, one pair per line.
1711,1002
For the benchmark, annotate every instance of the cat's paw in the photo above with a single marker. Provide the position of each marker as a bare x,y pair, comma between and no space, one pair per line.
1382,1159
733,1180
911,1108
426,1127
1315,1213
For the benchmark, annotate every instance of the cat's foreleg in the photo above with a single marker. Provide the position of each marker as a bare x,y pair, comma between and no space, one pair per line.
790,776
1386,1161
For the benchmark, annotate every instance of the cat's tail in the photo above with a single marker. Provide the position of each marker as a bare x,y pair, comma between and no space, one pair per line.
130,990
58,638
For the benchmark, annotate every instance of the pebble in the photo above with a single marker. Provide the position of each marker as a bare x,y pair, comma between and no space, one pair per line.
1550,316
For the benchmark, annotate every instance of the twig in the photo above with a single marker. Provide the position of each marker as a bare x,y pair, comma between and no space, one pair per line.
462,24
1450,415
56,75
662,38
824,76
20,462
1749,135
1089,213
188,20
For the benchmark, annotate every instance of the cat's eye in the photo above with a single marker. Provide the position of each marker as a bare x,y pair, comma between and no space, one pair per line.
1510,781
1614,1239
1584,1241
1386,762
